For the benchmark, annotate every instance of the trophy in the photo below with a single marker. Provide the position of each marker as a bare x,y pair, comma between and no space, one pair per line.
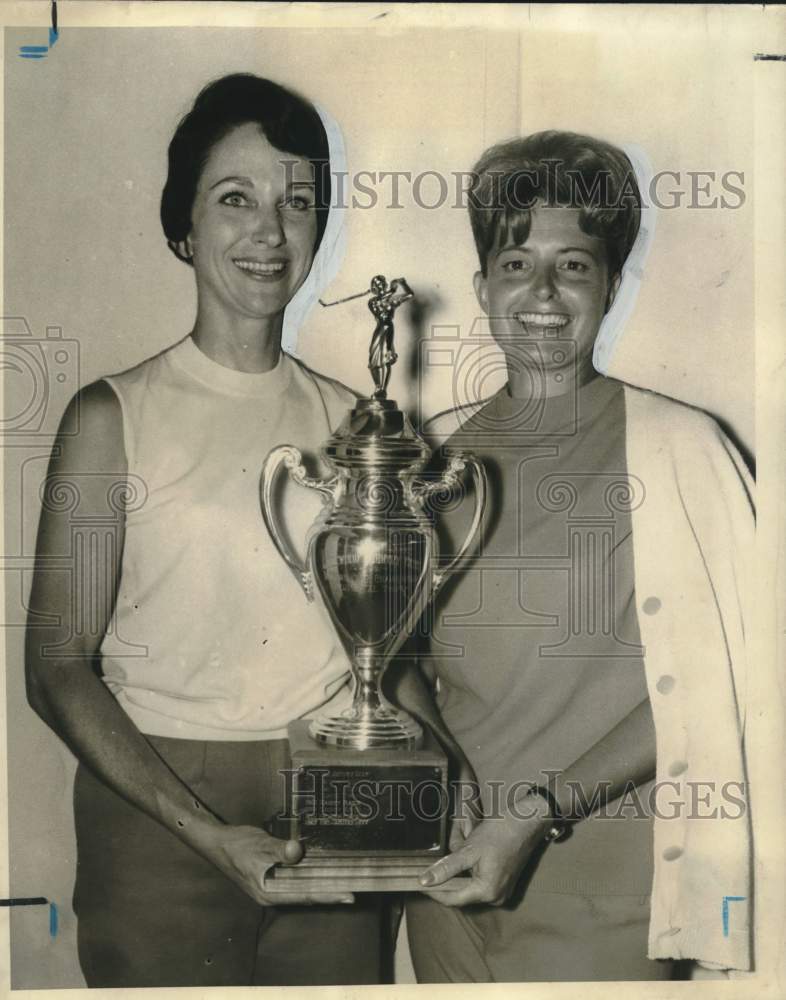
368,788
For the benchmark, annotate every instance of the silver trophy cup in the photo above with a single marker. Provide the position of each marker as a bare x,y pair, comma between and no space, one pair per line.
372,555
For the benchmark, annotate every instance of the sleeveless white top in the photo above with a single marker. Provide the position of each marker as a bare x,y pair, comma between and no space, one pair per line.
212,638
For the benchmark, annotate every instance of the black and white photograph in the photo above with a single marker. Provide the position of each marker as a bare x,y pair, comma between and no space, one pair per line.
393,487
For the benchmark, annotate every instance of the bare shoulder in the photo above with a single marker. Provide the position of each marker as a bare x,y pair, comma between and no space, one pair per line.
91,431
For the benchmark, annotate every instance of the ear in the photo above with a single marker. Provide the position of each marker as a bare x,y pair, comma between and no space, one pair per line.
614,287
185,247
481,291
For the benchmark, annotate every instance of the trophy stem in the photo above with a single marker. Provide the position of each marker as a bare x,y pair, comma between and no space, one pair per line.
371,721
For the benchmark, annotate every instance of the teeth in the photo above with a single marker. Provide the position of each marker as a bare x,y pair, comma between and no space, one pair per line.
542,319
255,267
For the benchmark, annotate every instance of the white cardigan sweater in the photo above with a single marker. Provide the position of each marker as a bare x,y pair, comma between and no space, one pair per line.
693,538
693,542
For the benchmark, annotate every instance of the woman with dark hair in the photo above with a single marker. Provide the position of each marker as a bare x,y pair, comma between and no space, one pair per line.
607,605
175,686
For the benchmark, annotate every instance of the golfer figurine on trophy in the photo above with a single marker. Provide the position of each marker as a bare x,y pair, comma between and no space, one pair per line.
381,354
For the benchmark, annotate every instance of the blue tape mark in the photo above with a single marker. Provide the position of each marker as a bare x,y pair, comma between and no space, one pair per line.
53,35
725,911
35,901
40,51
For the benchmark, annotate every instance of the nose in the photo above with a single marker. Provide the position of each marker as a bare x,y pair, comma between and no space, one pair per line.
267,228
544,286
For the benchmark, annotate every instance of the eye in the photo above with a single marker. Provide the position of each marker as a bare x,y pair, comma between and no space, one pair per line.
517,264
236,199
575,266
299,202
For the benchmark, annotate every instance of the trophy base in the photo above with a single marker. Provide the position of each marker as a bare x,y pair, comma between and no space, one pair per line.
358,874
369,820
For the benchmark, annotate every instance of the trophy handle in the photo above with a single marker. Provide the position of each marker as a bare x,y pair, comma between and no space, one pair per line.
451,478
290,457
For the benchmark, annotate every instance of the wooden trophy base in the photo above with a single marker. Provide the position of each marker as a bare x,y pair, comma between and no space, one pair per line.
369,820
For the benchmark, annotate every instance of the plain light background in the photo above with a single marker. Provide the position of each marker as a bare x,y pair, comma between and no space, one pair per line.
85,141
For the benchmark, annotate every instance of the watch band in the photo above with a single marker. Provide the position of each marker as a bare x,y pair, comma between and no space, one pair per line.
559,825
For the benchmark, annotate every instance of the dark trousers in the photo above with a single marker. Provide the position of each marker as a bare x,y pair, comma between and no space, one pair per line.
152,912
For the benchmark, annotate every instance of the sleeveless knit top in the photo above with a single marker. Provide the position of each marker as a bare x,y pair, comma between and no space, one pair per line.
212,638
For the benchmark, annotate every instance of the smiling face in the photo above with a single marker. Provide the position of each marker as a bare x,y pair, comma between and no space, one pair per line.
253,227
555,285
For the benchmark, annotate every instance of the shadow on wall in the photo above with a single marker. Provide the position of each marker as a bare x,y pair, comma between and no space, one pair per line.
747,455
419,313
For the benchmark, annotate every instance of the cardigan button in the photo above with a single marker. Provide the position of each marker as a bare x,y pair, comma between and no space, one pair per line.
665,684
651,606
672,853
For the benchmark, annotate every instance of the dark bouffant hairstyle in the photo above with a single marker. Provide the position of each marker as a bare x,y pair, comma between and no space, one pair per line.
289,122
560,169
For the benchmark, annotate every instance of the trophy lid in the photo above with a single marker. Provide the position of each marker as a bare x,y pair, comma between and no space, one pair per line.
377,434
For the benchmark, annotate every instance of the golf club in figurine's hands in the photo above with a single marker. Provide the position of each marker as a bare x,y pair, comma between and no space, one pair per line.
369,794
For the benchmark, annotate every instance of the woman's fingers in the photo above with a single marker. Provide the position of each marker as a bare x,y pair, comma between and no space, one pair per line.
446,868
256,852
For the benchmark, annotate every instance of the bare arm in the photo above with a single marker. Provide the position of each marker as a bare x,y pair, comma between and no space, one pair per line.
623,757
407,687
497,850
405,684
62,661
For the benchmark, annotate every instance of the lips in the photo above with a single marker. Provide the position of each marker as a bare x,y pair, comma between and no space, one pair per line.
542,320
261,269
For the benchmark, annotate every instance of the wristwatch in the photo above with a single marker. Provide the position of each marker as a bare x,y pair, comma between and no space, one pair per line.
559,825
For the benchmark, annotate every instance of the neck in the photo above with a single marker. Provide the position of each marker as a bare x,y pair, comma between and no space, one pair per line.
526,380
245,345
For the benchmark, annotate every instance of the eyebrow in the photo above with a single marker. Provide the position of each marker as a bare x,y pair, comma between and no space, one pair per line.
245,181
589,253
525,249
